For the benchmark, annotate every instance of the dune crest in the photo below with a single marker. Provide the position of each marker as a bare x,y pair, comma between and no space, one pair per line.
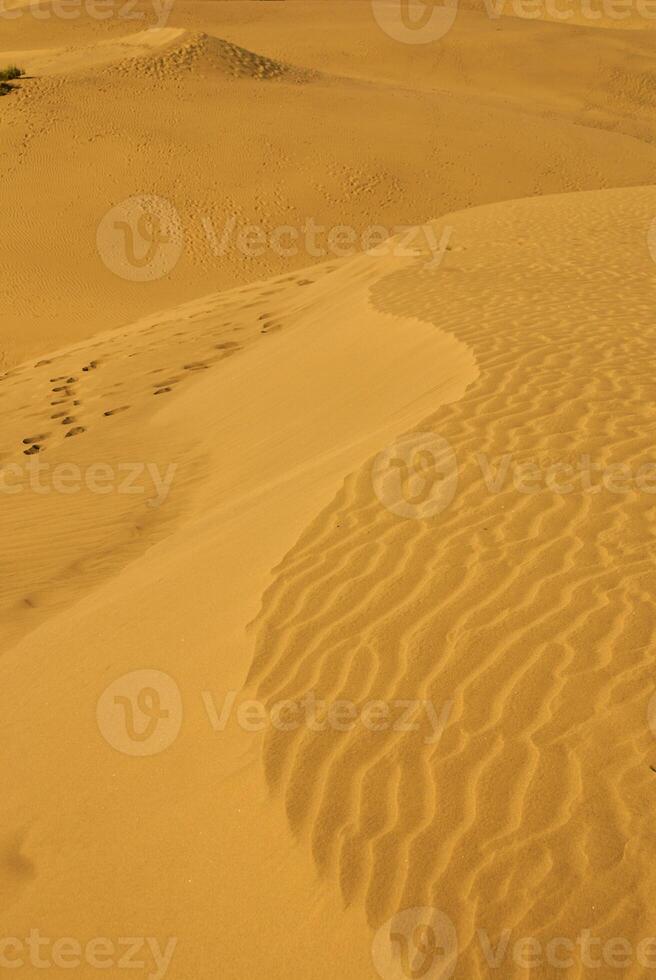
106,404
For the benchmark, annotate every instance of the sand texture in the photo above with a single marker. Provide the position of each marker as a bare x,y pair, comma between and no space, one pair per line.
419,476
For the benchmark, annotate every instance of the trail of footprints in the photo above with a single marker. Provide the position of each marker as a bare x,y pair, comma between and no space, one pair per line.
65,403
66,394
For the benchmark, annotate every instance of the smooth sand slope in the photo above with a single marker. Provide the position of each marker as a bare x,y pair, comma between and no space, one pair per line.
293,383
529,613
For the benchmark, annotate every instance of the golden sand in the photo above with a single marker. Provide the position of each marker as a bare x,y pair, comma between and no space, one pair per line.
326,603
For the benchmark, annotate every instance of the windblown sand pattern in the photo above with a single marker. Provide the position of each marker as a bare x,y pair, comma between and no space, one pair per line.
531,612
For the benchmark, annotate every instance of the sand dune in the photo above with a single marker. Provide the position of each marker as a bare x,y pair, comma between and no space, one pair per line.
528,109
546,835
97,403
418,476
141,53
248,478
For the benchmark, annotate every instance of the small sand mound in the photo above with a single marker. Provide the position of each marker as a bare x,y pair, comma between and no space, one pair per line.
203,51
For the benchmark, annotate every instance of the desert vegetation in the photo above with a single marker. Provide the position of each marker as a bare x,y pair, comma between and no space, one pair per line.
7,76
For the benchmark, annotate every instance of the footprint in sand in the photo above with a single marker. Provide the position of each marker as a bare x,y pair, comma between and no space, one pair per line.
115,411
75,432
